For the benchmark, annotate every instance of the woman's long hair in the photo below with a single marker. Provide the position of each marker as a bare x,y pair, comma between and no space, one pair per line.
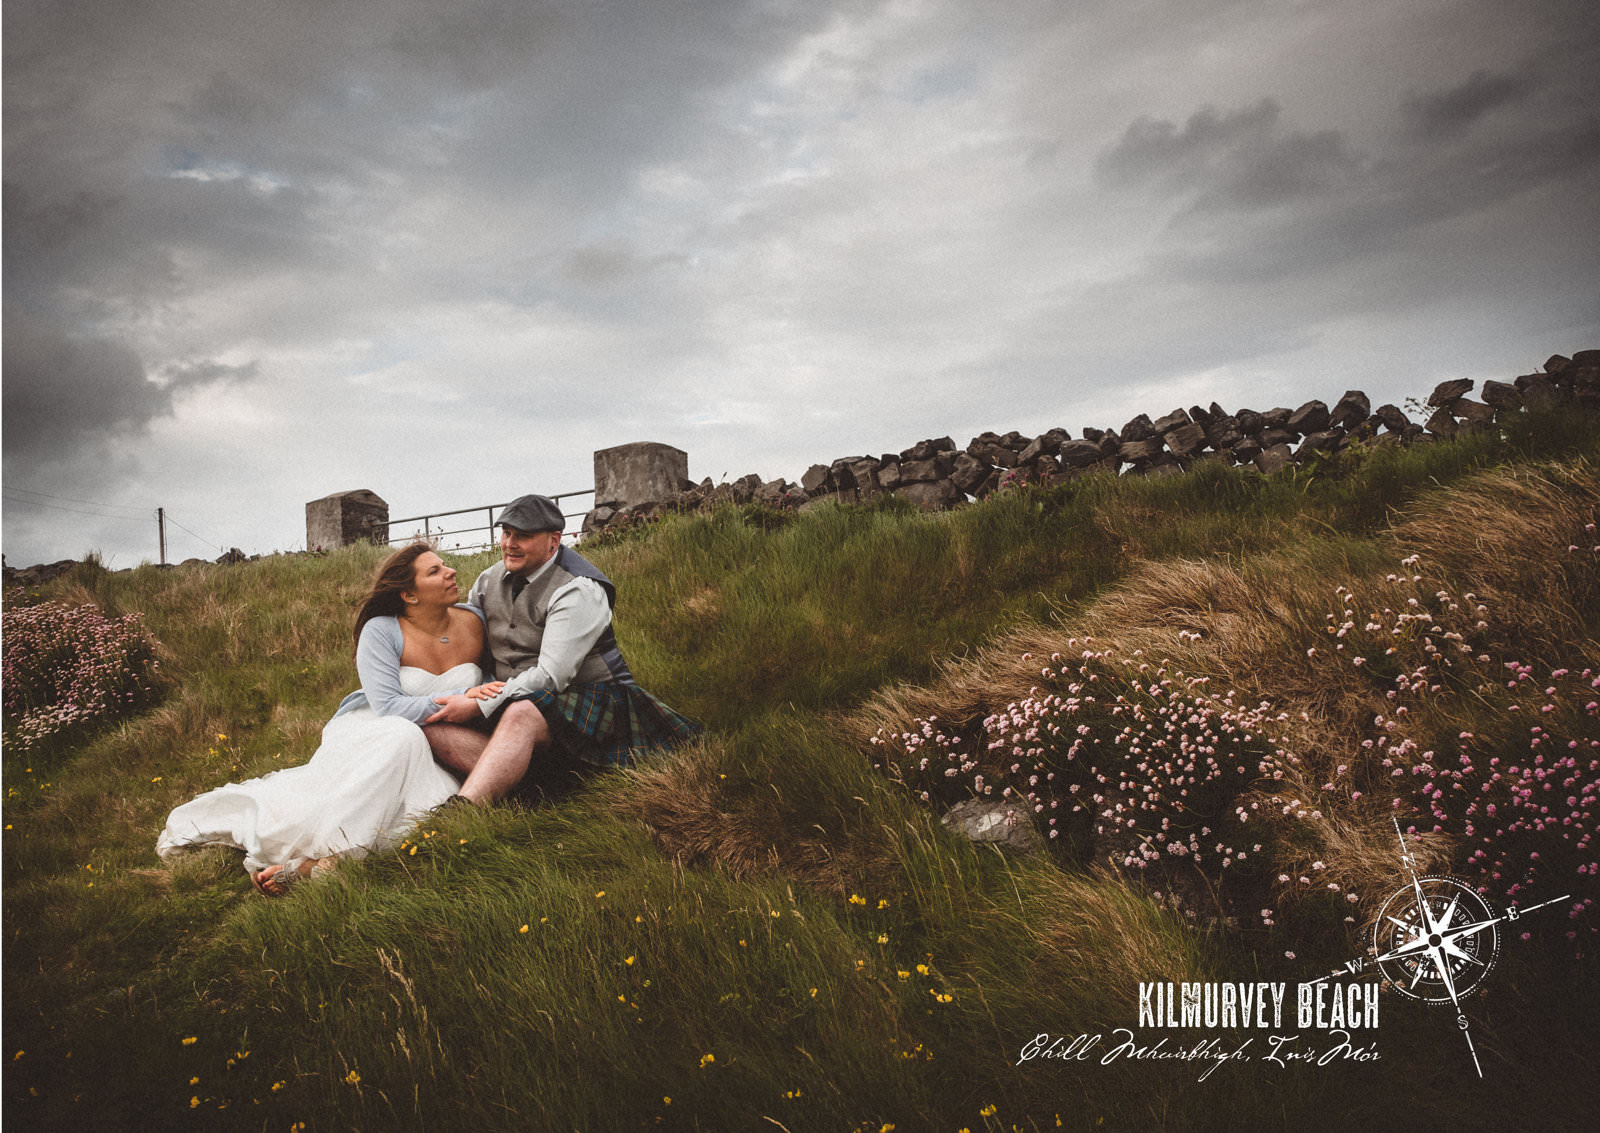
398,573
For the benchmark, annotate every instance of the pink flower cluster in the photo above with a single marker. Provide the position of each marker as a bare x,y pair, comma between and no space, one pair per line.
1498,750
1139,760
68,667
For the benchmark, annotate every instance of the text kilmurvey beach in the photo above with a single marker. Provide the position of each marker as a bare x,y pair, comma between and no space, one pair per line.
1231,1006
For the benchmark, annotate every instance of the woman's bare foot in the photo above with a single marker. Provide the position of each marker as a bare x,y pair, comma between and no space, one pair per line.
275,880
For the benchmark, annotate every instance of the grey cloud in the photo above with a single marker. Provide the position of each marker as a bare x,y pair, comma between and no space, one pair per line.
1450,113
1250,199
614,263
1241,159
246,146
1154,152
180,375
476,43
64,391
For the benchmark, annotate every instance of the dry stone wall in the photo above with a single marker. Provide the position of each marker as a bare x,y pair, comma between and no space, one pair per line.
936,474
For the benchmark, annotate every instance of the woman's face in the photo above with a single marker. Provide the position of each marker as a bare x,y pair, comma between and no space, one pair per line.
433,581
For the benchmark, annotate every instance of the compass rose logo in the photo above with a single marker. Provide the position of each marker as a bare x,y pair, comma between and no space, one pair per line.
1436,940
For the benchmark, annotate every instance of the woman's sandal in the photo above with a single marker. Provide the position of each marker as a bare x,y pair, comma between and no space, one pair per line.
276,880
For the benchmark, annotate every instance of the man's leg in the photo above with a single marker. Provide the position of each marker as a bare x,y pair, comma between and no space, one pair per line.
502,761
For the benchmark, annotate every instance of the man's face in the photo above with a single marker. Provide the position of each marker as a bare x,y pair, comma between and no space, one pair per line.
526,551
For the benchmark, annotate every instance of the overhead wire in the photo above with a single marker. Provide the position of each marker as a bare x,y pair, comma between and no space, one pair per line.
196,534
71,500
80,511
136,515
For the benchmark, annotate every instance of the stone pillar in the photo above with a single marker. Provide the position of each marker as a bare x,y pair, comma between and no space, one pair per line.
346,517
639,473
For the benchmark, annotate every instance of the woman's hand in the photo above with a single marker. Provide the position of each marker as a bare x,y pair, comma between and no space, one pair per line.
487,690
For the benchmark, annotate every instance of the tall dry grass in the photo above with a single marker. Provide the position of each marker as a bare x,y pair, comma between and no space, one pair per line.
1502,535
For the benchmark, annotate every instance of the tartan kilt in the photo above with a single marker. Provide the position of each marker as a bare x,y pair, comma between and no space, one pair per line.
610,723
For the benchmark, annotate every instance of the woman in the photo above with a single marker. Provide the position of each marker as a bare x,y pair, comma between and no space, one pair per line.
374,775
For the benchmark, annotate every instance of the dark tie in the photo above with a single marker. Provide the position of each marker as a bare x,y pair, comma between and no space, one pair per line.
518,581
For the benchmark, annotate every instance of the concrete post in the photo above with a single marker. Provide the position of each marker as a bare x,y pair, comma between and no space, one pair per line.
639,473
346,517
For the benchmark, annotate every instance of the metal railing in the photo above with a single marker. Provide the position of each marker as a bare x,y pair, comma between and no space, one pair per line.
490,538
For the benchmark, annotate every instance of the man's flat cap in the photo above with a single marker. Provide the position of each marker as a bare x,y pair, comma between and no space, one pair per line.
532,514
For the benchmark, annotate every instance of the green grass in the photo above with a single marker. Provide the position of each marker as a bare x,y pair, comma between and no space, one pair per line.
763,896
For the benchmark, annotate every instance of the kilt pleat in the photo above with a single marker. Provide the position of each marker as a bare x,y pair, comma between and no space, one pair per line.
610,723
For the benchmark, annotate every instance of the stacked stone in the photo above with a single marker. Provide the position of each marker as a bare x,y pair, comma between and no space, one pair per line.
936,475
695,497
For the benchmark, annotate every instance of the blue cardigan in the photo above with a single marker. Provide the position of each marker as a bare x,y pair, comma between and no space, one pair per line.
378,664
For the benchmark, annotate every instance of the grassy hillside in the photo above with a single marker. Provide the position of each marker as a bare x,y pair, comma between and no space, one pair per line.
770,928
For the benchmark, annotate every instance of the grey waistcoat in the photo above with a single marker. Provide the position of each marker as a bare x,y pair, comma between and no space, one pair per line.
516,629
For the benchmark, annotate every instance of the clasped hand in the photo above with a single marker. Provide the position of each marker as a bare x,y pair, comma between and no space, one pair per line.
462,707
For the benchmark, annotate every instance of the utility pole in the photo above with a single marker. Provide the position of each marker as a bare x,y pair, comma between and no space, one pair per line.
161,528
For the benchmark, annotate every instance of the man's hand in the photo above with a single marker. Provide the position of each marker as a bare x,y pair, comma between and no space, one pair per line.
486,691
458,709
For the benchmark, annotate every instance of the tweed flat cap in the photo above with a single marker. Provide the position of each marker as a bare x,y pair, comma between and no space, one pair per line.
533,514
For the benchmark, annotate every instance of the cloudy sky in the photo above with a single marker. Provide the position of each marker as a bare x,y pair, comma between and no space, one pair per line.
256,253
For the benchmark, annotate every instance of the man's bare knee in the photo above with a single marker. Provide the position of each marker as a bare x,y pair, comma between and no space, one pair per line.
522,717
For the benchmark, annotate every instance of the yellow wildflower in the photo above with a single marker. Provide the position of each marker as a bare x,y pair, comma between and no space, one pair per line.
191,1040
524,928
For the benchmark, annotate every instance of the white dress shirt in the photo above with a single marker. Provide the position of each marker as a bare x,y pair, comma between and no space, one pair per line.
579,613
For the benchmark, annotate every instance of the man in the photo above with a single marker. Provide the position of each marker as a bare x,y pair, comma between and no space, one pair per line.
560,682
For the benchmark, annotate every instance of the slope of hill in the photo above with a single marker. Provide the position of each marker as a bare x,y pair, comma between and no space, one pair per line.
771,928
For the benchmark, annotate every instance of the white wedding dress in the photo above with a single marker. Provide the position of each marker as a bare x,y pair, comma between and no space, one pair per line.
364,790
